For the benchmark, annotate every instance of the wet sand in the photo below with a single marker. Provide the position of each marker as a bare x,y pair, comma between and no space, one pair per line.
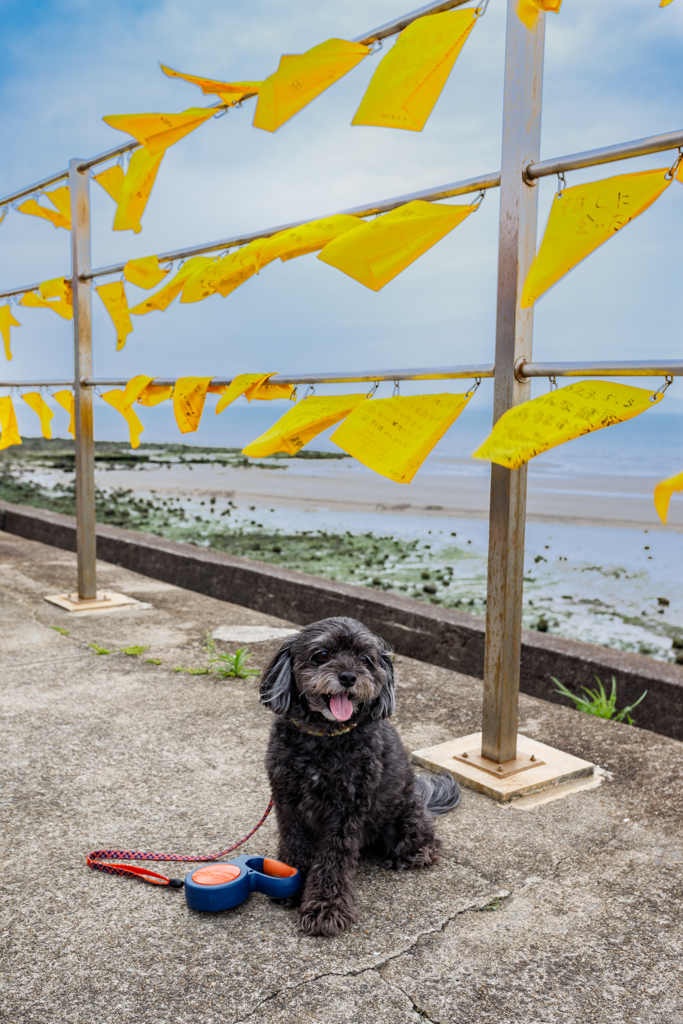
617,501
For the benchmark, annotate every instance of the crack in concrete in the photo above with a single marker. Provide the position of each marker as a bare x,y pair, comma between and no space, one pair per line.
503,894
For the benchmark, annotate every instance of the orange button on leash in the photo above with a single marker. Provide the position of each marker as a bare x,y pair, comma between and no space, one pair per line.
277,869
216,874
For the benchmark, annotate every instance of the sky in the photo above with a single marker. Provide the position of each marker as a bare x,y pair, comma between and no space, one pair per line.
612,74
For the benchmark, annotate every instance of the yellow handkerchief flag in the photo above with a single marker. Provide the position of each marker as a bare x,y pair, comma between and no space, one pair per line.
7,321
45,414
165,296
156,132
222,275
301,77
409,79
111,181
145,272
382,248
122,402
528,10
254,386
136,189
189,396
394,436
304,239
302,423
664,490
155,393
67,402
59,289
584,217
8,424
60,200
230,92
545,422
113,296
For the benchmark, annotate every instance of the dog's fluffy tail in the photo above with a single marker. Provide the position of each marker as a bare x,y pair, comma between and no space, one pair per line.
441,793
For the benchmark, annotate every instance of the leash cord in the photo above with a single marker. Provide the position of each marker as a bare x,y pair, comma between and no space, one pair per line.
97,859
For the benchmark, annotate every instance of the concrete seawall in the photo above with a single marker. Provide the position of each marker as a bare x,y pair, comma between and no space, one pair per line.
440,636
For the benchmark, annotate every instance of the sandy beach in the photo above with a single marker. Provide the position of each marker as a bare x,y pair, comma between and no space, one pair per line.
447,487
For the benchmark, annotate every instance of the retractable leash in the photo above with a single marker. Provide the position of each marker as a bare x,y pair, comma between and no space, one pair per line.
212,888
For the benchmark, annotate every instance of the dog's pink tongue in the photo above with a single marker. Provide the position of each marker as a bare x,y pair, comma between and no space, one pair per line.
341,707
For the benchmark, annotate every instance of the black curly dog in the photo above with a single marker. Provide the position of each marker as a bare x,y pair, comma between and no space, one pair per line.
340,779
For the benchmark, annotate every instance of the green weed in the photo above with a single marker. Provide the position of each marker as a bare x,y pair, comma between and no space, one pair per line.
193,671
134,650
99,650
234,665
597,702
58,629
152,661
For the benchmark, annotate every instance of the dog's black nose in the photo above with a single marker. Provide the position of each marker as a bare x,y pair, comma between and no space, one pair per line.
347,679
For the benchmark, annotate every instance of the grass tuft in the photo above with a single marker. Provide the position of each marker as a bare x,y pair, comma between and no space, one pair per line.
235,665
597,702
134,650
58,629
99,650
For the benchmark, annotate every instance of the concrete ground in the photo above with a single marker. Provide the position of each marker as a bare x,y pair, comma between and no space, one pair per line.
569,912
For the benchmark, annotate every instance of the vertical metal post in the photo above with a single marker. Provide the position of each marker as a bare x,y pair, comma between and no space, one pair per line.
79,185
514,329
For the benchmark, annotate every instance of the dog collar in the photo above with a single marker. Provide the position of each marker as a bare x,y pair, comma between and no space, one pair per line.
323,732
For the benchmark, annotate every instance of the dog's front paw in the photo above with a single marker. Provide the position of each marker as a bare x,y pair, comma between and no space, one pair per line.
327,918
425,857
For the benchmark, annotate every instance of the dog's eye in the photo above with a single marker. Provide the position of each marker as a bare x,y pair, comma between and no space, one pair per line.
365,658
321,656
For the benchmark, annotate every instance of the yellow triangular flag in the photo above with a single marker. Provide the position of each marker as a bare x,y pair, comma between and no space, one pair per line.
156,132
155,393
135,427
222,275
66,400
165,296
61,200
136,188
303,76
382,248
664,3
36,402
111,181
113,296
145,272
32,208
584,217
409,80
528,10
302,423
393,436
7,321
57,288
534,427
304,239
189,396
230,92
665,489
253,386
8,424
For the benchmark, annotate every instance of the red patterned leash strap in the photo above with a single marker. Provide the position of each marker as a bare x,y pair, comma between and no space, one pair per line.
98,859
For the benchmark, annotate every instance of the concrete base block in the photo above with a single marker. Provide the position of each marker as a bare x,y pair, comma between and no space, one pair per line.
551,767
105,601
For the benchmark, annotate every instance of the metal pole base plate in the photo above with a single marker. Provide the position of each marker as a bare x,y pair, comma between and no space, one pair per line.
104,601
549,768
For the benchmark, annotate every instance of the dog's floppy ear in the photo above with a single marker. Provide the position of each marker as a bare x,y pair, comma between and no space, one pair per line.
386,702
275,690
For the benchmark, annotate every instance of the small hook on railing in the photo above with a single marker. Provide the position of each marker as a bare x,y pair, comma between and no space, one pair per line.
479,200
397,389
561,184
310,390
480,11
221,112
375,46
668,381
372,389
470,391
674,167
553,383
